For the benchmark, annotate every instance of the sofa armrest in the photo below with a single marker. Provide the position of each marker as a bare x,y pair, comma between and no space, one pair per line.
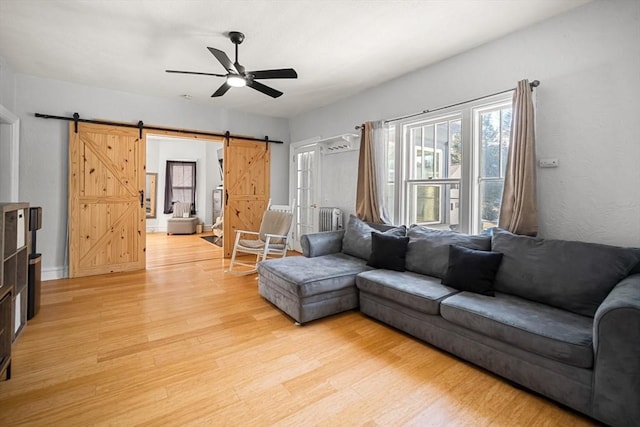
323,243
616,340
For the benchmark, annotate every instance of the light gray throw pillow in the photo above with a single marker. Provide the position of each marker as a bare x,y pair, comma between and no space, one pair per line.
575,276
428,250
357,237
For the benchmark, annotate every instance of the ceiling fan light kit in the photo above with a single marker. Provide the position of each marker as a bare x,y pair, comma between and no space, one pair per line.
236,81
237,76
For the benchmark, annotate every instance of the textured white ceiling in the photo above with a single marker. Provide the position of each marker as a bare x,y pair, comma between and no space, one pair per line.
338,47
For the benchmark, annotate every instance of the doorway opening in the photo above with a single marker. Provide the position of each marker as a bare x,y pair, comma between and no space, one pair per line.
163,249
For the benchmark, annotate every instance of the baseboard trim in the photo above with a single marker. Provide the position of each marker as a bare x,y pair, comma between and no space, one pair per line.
54,273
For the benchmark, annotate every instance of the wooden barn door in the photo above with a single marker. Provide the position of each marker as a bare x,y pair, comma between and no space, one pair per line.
246,185
106,199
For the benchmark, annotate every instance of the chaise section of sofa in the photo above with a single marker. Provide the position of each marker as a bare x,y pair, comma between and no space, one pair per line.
311,288
322,282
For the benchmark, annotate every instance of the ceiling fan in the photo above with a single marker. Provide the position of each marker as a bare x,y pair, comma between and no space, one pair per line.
237,76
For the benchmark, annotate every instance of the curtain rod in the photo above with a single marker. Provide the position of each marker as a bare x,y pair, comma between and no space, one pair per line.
533,84
140,125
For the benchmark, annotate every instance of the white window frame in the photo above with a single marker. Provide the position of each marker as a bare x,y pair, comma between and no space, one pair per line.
469,180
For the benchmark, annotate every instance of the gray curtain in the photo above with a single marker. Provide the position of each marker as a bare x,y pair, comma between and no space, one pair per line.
371,169
519,212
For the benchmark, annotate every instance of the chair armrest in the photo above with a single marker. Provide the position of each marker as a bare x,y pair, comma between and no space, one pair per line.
616,341
323,243
276,236
253,233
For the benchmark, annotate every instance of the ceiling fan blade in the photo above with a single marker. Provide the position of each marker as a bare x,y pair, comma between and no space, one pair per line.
264,89
195,72
283,73
221,90
223,59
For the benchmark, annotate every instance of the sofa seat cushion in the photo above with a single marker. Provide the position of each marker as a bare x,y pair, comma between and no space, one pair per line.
416,291
306,277
547,331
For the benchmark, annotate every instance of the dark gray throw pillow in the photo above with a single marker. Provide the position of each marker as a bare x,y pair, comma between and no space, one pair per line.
388,251
357,237
472,270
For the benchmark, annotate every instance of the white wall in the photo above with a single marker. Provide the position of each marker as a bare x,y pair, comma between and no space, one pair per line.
7,86
588,61
7,101
161,149
44,152
5,163
338,181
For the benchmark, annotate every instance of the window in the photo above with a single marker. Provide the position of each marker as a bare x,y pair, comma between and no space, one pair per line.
446,170
180,185
494,127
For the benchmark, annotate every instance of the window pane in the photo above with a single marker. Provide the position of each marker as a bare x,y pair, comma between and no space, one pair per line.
504,139
490,199
390,152
427,152
178,176
427,204
441,144
416,153
182,195
490,144
435,205
455,149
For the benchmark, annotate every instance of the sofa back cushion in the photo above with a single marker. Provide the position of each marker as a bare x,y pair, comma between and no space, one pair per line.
428,249
357,236
575,276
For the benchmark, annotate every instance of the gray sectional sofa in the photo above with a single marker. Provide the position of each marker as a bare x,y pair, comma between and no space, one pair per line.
558,317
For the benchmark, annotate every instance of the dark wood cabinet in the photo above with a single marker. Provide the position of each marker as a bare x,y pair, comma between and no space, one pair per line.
5,332
14,247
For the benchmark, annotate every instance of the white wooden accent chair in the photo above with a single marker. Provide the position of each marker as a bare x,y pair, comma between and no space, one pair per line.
269,242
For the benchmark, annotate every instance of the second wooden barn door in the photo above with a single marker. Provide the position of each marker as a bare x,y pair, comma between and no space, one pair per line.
246,184
106,199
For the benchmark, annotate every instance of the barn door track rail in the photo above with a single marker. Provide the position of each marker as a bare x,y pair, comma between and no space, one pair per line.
141,126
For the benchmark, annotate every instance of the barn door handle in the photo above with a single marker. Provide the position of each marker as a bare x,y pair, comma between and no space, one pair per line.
142,198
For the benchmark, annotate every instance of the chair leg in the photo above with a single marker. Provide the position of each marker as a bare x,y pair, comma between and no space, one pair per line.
265,251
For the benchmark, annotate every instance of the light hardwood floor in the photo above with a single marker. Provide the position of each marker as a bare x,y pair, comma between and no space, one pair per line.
182,343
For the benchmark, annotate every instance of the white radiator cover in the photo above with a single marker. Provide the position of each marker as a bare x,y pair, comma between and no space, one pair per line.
330,219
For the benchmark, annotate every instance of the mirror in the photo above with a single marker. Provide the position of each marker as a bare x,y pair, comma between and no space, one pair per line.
150,202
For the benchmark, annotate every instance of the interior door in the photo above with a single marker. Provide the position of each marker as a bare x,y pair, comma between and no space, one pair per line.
106,199
247,169
305,180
